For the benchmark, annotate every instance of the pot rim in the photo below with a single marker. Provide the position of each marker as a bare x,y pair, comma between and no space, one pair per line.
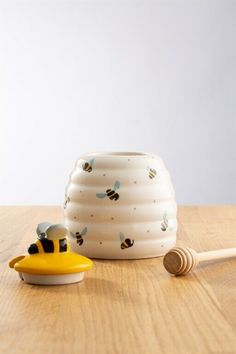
120,154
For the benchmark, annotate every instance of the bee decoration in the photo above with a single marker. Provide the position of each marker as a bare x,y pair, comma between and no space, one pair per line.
164,224
88,165
110,193
67,200
125,242
79,236
151,172
51,238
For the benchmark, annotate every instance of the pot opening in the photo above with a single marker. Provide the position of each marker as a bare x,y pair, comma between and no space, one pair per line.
118,154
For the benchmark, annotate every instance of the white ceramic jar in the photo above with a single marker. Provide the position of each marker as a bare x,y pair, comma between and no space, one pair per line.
120,206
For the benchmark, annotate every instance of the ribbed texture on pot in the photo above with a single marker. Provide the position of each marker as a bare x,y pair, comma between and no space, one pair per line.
120,206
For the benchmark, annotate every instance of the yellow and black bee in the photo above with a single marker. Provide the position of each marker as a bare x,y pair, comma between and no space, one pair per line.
79,236
67,200
164,224
110,193
88,165
151,172
53,239
125,242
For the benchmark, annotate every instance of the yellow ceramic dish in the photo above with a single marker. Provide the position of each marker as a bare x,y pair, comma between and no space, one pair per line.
50,261
55,263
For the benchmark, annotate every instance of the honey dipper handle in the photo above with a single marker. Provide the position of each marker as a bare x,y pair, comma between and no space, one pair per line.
218,254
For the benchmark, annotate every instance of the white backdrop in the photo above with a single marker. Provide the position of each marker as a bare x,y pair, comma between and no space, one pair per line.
153,76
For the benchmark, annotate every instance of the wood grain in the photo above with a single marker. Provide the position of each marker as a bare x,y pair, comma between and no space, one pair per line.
122,306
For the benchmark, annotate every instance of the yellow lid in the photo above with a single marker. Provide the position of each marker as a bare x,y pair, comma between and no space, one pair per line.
51,263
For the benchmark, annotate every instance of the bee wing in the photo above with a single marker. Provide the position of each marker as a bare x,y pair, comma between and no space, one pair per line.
41,228
116,185
72,234
91,161
84,231
101,195
122,236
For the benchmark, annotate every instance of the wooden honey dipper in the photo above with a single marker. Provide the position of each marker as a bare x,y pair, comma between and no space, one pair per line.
181,260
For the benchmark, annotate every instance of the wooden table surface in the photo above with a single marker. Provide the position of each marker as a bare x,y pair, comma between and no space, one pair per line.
122,306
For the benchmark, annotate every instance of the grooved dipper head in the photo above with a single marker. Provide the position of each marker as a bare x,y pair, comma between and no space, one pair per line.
180,260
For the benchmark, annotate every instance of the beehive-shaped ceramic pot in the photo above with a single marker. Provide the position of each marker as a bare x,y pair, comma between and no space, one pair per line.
120,206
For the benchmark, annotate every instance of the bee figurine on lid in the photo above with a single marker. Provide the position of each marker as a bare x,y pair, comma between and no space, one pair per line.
50,261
